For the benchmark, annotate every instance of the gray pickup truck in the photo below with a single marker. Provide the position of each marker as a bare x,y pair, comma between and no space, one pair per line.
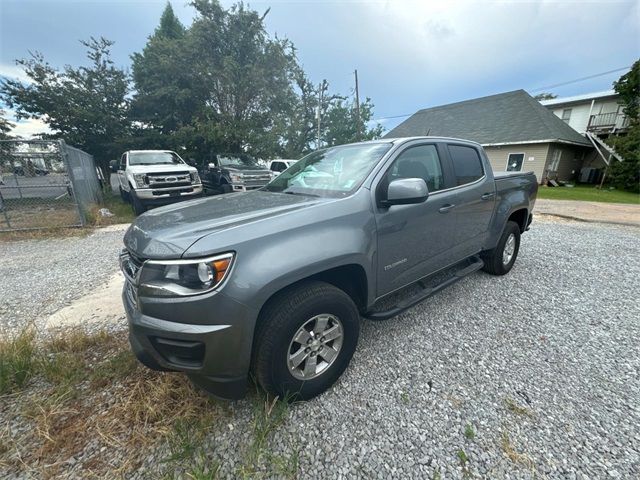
273,282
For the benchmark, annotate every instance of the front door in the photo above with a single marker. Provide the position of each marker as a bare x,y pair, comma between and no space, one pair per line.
122,176
414,240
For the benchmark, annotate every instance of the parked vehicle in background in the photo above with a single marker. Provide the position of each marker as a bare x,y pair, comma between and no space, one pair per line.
278,166
233,173
155,177
274,281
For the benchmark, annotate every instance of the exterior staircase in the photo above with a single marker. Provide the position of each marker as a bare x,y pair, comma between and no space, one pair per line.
600,145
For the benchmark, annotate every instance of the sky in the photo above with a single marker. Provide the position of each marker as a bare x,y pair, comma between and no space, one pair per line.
409,54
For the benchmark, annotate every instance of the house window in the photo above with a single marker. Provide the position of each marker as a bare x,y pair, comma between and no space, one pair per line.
555,160
514,162
566,115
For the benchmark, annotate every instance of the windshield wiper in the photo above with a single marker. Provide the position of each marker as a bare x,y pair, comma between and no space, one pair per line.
300,193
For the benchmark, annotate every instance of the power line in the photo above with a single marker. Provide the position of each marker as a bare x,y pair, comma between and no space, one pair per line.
580,79
532,91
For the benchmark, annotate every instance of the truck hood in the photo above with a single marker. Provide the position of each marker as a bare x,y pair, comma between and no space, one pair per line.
160,168
167,232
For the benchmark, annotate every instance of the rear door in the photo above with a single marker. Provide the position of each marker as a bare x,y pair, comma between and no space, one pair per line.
475,190
415,240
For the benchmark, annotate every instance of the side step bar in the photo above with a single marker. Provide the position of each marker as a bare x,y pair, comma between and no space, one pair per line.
475,265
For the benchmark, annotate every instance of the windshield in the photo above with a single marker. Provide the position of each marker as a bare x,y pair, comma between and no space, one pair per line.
154,158
333,172
237,162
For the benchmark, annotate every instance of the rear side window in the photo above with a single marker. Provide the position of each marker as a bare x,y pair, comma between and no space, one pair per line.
467,165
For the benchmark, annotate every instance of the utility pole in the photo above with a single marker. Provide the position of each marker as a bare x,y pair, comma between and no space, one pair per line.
319,111
358,108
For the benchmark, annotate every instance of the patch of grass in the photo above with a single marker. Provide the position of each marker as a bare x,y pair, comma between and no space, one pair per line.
588,193
122,212
404,396
469,433
43,234
512,454
513,407
17,361
462,457
436,474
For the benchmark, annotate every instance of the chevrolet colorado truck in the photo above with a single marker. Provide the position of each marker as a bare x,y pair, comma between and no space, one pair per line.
272,283
155,177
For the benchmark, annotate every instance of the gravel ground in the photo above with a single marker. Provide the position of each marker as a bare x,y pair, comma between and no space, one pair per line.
542,364
38,277
540,367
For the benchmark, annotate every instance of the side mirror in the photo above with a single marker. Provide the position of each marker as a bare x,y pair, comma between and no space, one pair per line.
113,166
406,191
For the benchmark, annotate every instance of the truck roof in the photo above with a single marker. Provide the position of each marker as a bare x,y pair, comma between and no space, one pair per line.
400,140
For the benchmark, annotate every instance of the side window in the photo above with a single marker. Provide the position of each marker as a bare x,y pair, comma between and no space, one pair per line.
123,161
418,162
467,165
277,166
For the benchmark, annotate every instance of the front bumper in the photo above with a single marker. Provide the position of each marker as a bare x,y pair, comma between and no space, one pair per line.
215,355
236,187
168,195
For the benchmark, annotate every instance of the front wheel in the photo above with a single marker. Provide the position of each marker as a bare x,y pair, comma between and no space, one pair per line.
305,339
138,207
500,260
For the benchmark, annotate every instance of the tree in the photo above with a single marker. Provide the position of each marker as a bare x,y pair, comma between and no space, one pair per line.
166,97
5,126
342,123
87,106
626,174
545,96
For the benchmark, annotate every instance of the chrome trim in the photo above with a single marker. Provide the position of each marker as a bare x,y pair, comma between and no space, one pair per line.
458,186
184,261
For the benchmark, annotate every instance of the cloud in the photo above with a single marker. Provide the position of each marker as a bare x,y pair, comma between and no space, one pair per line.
13,72
29,128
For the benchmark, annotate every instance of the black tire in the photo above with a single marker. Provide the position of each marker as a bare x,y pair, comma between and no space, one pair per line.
225,188
281,319
138,207
493,259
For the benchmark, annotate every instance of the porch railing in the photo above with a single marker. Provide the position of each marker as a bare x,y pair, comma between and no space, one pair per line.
608,122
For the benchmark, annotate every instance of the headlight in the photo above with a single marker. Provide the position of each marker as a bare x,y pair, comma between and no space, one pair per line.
178,278
236,177
195,178
141,179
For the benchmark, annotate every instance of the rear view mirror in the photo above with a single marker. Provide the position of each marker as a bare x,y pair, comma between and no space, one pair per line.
405,191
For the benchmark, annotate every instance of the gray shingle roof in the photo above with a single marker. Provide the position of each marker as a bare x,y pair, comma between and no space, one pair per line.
511,117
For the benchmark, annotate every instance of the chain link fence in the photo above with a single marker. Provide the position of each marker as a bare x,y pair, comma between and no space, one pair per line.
45,184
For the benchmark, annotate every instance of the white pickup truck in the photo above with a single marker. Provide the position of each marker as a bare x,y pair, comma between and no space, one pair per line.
155,177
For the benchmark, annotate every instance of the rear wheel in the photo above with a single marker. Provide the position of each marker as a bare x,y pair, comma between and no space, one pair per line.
500,260
305,339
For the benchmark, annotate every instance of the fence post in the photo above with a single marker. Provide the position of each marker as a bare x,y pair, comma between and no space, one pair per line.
62,146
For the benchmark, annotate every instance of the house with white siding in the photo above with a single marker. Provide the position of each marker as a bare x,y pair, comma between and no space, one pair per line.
599,112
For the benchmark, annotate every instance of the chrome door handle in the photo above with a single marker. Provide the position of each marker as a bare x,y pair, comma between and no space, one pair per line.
445,208
487,196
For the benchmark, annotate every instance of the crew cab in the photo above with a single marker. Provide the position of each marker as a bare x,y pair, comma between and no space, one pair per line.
279,165
233,173
155,177
272,283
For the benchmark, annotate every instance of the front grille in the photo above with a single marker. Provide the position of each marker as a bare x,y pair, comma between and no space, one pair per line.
256,180
130,266
169,179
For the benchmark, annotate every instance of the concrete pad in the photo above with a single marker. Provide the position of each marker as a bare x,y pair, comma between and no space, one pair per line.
598,212
103,306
